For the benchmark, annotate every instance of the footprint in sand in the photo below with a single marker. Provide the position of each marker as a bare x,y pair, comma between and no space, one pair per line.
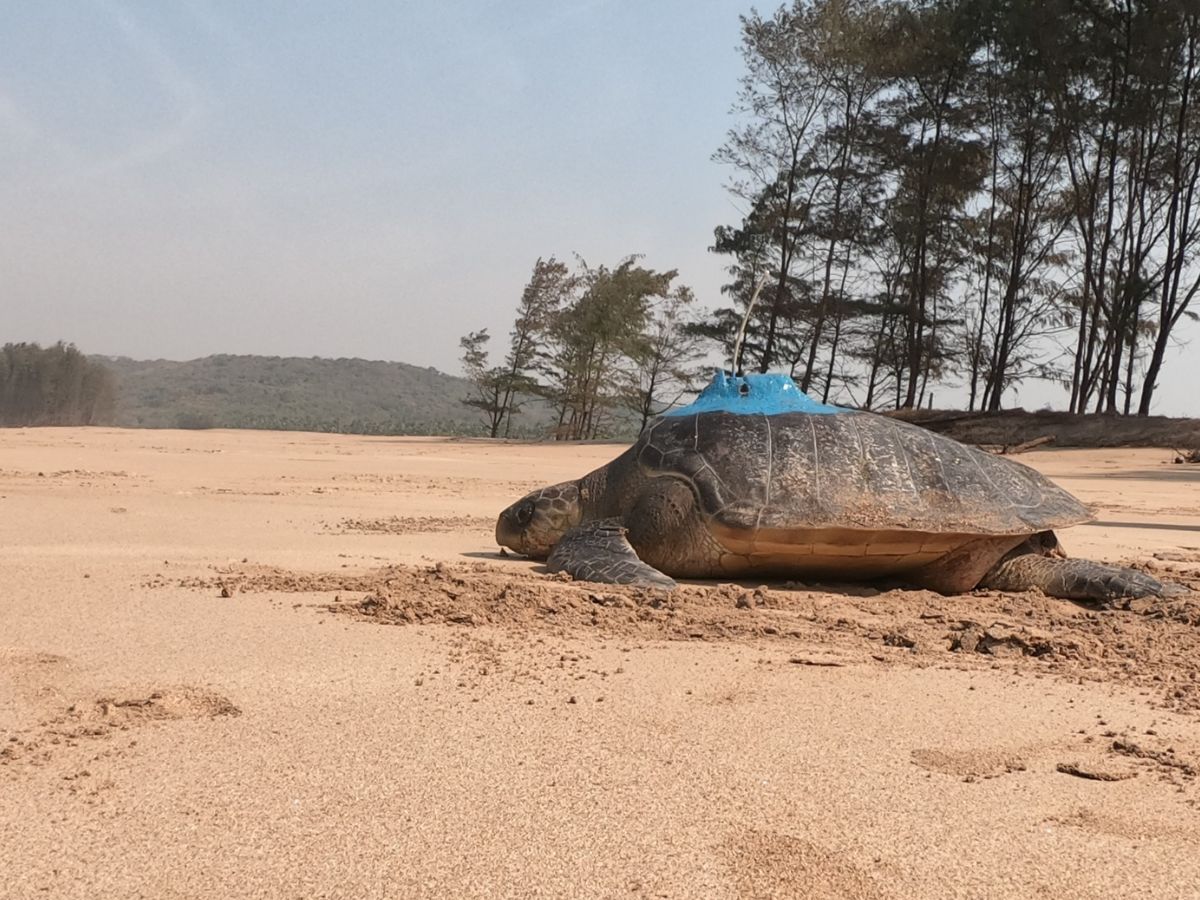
100,716
24,665
970,764
1131,829
54,712
769,864
35,678
121,710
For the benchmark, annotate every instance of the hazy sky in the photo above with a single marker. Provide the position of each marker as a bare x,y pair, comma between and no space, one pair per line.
363,179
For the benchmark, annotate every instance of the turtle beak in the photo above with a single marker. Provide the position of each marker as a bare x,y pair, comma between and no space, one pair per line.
511,533
507,533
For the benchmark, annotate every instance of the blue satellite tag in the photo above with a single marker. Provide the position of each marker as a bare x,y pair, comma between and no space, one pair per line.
754,395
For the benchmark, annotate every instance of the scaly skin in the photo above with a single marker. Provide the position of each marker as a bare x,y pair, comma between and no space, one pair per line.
1072,579
598,551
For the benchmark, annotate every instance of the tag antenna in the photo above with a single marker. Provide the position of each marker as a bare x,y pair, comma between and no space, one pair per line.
741,333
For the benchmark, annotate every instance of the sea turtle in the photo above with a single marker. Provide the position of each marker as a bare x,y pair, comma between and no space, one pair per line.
755,478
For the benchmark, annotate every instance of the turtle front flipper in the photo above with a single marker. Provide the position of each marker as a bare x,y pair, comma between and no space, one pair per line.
1075,579
599,551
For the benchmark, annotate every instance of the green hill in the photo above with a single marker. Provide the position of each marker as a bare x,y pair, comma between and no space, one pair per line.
298,394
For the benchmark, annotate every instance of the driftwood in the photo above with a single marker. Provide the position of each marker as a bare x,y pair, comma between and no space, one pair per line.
1070,430
1094,774
809,661
1187,456
1028,445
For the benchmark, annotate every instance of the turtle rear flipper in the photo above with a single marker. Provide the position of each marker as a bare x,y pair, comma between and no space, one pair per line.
1075,579
599,551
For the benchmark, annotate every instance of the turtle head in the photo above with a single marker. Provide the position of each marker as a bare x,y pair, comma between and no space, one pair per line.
533,525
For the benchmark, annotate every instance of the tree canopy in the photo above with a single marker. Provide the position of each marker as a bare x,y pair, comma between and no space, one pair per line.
984,192
594,344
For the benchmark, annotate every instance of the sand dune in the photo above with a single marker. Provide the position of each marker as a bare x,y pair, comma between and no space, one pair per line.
246,664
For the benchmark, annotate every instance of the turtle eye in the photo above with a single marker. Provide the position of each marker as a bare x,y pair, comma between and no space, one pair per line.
524,514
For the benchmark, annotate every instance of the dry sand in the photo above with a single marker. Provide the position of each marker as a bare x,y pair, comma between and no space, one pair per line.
238,664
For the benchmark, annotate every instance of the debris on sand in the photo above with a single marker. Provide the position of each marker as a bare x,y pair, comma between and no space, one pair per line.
809,661
1168,758
1000,639
1187,456
1093,773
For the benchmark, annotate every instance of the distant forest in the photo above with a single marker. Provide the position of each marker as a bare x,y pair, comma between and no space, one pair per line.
53,386
58,385
969,192
351,396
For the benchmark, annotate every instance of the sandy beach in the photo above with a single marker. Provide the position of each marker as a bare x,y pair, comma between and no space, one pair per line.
254,664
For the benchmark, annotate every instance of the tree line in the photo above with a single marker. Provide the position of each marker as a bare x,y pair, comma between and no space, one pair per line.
55,385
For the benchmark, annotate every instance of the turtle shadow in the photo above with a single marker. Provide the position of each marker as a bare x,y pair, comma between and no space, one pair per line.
539,567
503,556
1160,526
1180,473
845,589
